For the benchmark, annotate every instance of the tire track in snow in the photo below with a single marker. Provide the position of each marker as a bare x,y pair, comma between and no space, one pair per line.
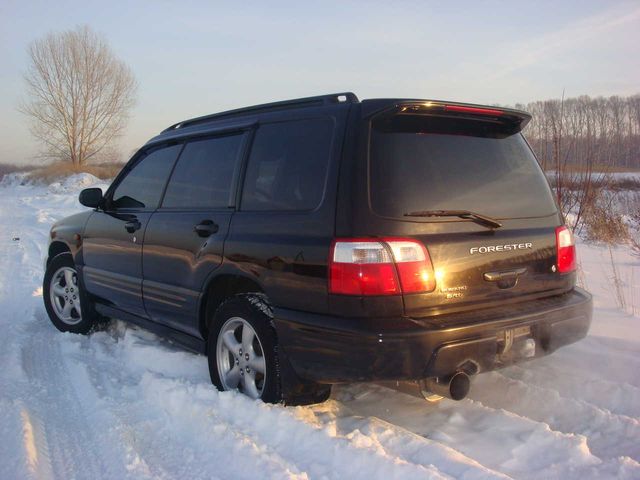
274,431
608,435
612,359
18,248
139,353
395,441
74,446
197,447
111,366
618,398
498,439
318,452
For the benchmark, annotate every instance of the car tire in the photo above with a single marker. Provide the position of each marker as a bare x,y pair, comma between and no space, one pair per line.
281,384
65,300
242,349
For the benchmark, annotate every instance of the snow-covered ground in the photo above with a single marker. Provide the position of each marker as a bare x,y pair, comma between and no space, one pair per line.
123,403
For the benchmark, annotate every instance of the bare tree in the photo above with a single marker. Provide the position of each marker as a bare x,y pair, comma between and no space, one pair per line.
575,131
79,93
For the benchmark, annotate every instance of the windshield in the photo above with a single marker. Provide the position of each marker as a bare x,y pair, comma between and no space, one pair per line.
424,162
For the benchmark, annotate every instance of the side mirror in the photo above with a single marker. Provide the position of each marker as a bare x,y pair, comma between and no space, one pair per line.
91,197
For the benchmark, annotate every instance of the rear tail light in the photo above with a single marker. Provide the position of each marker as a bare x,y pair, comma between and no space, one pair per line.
388,266
565,250
414,265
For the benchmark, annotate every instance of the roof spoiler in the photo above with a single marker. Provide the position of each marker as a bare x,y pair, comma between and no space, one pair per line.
517,119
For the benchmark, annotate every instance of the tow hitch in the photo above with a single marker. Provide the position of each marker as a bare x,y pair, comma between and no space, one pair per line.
515,343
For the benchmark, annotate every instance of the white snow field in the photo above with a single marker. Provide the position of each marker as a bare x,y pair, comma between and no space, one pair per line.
123,403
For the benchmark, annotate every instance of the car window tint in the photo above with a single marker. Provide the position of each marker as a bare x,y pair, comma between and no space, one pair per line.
204,173
434,163
143,185
288,165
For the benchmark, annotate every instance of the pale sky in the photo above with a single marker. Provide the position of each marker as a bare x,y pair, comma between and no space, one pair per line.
191,58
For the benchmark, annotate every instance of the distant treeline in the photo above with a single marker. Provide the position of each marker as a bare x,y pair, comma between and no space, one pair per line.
596,132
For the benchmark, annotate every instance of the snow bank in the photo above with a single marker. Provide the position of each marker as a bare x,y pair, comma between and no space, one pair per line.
70,184
75,183
15,179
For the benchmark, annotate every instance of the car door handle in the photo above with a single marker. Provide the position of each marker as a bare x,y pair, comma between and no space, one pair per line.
132,226
206,228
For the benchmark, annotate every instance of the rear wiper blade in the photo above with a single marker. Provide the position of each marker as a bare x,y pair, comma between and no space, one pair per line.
466,214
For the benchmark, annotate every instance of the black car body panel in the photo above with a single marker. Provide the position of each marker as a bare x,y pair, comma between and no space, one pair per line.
298,178
331,349
112,263
65,236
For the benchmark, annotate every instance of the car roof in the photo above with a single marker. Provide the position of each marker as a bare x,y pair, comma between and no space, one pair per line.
246,116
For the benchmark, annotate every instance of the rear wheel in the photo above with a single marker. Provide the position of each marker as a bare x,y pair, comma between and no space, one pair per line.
240,358
243,355
65,301
242,350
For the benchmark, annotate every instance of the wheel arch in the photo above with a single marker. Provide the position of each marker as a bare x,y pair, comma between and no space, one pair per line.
56,248
222,285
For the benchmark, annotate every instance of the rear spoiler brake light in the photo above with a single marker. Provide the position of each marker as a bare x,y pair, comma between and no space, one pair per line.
473,110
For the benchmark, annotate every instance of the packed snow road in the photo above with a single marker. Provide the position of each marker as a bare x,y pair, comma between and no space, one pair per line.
123,403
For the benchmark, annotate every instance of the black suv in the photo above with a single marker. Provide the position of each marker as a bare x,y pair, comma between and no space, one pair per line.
327,240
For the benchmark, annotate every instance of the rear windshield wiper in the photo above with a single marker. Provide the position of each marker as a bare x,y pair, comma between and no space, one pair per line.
466,214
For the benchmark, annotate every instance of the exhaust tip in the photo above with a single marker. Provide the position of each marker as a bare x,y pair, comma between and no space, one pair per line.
455,386
459,386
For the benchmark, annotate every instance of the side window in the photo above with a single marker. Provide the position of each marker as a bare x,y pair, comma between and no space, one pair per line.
288,165
204,173
143,185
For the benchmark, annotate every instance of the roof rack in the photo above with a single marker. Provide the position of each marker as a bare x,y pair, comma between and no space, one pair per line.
332,98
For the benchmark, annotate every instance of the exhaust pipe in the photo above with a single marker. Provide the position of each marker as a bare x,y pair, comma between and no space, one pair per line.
455,386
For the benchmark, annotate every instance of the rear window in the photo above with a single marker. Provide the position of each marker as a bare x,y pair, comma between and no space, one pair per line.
424,162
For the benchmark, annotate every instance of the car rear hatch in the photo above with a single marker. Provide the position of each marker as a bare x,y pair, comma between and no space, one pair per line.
462,181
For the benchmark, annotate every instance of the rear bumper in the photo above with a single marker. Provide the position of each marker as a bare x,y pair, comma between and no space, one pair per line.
329,349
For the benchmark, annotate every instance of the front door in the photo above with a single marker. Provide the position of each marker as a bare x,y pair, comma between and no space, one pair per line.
112,241
185,237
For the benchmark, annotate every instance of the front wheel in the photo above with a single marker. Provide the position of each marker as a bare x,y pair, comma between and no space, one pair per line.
64,300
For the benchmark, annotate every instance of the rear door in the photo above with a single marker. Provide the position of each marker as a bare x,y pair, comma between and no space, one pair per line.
185,237
112,240
421,162
285,221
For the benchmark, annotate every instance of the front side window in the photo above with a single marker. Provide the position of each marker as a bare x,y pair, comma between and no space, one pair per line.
288,165
143,185
204,174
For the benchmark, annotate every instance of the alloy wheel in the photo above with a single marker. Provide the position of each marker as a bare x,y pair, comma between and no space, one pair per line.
240,358
65,295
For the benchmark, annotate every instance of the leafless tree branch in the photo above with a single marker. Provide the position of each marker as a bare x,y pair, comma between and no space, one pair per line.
582,140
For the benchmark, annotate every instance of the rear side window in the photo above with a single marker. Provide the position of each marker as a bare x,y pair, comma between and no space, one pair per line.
143,185
436,163
204,174
288,165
